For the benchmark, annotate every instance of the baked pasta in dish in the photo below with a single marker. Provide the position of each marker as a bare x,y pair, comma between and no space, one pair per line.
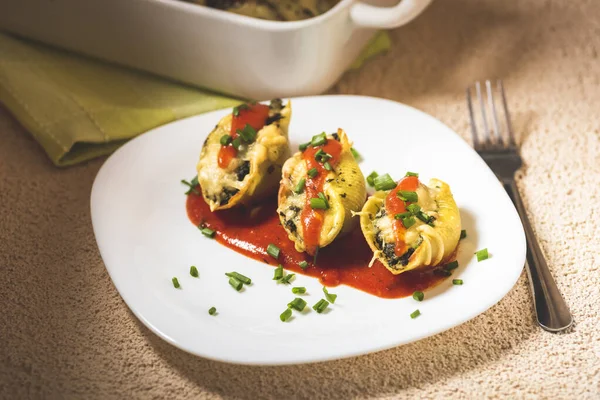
410,225
241,159
321,187
276,10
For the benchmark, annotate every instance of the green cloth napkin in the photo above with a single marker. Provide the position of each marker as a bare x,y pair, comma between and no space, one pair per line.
79,108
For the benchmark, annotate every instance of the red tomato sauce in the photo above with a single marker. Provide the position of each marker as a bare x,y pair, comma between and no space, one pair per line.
394,205
254,115
345,261
312,220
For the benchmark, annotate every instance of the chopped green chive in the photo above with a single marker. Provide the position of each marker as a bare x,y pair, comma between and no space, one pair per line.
402,215
194,271
225,140
413,208
407,195
315,256
418,295
457,281
194,181
384,182
327,166
355,153
303,146
286,279
298,290
242,278
321,306
482,255
248,134
412,174
323,197
273,251
236,109
303,264
192,188
285,315
208,232
408,222
322,156
422,216
371,178
237,142
278,273
212,311
312,172
442,272
319,139
463,234
297,304
175,283
329,296
451,266
300,186
415,314
236,284
318,203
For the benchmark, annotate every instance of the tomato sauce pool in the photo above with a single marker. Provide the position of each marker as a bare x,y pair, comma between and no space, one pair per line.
345,261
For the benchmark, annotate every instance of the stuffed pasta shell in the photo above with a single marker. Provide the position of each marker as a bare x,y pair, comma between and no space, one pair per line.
321,187
409,225
242,157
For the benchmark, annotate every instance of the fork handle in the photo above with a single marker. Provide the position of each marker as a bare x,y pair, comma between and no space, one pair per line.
552,312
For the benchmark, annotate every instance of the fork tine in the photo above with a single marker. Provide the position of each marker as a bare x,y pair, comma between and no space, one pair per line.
472,118
511,136
492,105
486,131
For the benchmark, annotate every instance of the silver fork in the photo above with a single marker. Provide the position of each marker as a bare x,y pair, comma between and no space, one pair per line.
501,155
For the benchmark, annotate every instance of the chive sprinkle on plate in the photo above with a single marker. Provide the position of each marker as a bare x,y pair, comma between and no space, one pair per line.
273,251
415,314
329,296
482,254
286,279
285,315
210,233
194,271
321,306
457,281
299,290
242,278
175,283
418,295
212,311
278,273
297,304
236,284
303,264
452,265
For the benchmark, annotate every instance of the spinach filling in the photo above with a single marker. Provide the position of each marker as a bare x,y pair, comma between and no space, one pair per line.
226,195
242,170
389,249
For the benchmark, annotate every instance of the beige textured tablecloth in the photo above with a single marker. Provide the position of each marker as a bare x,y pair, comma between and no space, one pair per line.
65,332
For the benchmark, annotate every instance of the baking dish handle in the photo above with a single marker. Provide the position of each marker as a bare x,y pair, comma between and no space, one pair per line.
368,16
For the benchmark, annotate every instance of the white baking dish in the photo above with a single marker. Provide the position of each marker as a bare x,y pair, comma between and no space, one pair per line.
211,48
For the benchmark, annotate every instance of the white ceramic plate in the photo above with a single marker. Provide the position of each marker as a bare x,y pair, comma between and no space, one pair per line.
145,238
